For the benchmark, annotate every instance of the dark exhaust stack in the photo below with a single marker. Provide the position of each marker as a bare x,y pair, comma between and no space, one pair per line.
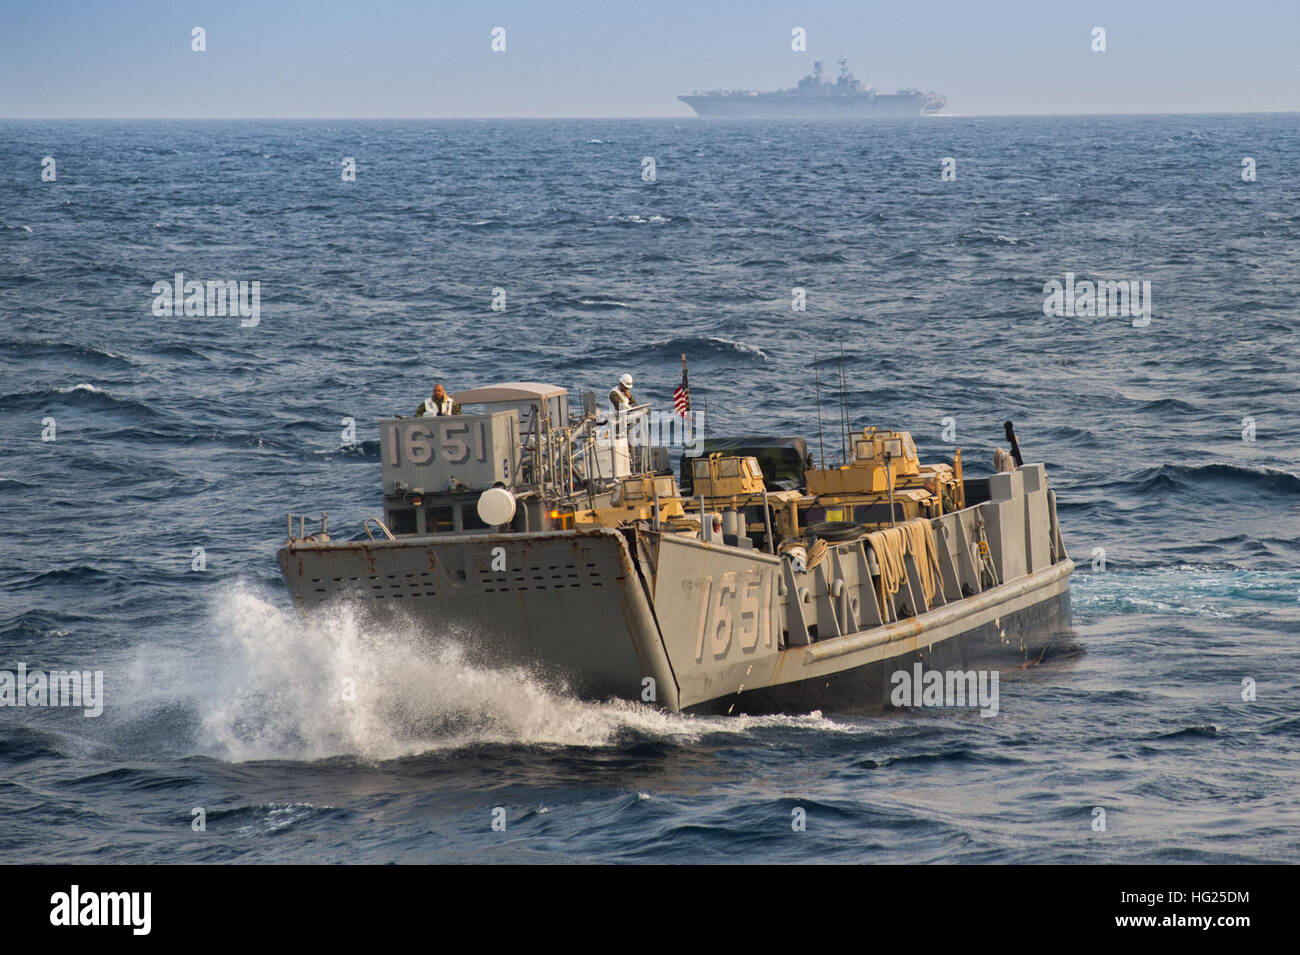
1015,445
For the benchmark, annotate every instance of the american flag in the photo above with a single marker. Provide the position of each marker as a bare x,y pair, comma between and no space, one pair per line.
682,396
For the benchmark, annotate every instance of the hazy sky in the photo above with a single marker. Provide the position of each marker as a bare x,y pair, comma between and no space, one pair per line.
424,58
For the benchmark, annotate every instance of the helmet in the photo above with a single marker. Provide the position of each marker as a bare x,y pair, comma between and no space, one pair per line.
626,381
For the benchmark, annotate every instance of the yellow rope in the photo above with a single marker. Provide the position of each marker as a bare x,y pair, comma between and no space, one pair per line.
817,554
914,537
889,546
921,547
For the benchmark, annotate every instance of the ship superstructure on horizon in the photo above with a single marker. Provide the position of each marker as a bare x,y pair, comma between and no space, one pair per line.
815,98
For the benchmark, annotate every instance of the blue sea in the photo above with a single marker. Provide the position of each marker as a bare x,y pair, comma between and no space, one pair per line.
1170,713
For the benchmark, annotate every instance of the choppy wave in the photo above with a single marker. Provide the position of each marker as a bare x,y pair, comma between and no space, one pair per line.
64,352
1221,592
705,346
1214,478
84,386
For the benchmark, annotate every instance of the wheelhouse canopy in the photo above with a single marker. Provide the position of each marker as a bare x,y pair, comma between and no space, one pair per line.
522,397
509,391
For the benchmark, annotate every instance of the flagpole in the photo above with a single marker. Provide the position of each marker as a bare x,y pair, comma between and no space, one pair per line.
687,410
708,458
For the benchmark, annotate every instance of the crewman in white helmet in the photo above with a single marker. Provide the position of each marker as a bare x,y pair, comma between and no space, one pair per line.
620,398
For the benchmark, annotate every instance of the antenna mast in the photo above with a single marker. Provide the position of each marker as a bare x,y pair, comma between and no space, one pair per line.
821,445
844,412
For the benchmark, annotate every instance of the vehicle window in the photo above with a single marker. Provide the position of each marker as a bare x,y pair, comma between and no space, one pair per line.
877,513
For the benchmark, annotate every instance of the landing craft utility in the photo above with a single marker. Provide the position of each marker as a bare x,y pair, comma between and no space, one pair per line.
552,540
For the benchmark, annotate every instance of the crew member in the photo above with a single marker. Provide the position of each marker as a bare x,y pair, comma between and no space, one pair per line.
439,404
621,397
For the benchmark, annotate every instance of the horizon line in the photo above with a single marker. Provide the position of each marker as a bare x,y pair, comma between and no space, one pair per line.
693,117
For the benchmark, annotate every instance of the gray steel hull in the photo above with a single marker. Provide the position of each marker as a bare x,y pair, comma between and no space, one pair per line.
566,606
777,106
664,619
867,687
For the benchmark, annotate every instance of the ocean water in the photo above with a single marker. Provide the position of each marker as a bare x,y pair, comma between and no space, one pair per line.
177,433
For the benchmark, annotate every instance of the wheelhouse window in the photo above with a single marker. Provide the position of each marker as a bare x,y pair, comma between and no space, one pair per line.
438,519
469,519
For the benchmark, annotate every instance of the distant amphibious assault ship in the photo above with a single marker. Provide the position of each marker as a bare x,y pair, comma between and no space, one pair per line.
815,98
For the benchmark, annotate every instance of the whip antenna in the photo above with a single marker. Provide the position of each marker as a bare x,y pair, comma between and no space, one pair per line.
821,445
844,413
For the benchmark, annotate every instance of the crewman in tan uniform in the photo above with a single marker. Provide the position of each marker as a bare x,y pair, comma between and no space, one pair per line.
439,404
